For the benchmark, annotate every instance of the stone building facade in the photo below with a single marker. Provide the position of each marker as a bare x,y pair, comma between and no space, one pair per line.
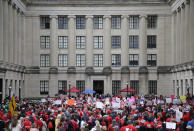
48,46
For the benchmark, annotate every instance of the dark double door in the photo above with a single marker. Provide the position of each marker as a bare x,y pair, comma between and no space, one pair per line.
98,86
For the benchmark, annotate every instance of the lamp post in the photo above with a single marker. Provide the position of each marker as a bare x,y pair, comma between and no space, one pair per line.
177,90
20,92
127,88
69,88
10,91
187,86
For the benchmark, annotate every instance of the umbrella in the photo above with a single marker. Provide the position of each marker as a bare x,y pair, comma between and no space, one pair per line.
88,91
73,89
129,90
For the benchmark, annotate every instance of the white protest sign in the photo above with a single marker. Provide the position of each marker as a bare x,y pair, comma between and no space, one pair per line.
168,100
107,102
118,99
115,105
57,102
170,125
149,103
43,100
99,105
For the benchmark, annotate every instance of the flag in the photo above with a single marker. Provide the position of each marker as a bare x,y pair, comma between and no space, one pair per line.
12,105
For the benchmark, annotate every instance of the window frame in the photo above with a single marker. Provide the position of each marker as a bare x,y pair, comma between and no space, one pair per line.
152,21
46,60
62,87
116,87
99,61
44,89
151,41
133,22
133,41
98,42
81,62
63,62
80,42
97,23
62,42
152,62
80,22
45,22
116,61
152,87
116,41
63,23
132,62
116,22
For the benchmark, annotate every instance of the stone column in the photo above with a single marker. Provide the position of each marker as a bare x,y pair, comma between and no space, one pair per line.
15,37
11,34
174,37
53,41
143,76
191,27
187,36
23,38
19,37
1,30
71,43
107,41
124,41
36,42
178,37
182,42
142,41
5,30
89,41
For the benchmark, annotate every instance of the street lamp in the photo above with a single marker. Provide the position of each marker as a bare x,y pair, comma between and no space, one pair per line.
10,91
187,86
20,92
127,88
69,88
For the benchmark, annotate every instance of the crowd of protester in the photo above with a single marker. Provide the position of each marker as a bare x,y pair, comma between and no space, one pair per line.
150,113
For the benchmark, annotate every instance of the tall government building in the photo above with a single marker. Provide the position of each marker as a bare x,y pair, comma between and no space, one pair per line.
47,46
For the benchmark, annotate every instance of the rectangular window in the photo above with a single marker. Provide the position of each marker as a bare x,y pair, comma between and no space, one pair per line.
152,87
98,42
116,22
151,41
62,87
62,60
98,22
62,22
80,85
116,41
63,42
116,60
80,42
80,60
98,60
44,87
152,21
44,22
134,84
134,22
44,60
44,42
80,22
116,87
152,60
133,41
133,60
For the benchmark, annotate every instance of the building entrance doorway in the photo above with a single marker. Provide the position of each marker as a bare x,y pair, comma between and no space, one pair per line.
98,86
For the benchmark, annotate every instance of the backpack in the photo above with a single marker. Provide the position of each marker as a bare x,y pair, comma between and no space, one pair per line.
50,125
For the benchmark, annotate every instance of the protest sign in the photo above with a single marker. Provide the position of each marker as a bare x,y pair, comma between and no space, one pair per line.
107,102
170,125
57,102
43,100
149,103
183,98
115,105
118,99
71,102
176,101
179,115
99,105
168,100
172,96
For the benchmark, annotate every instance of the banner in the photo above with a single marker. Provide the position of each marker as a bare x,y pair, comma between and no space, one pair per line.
57,102
116,105
99,105
168,100
71,102
170,125
183,98
12,105
43,100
